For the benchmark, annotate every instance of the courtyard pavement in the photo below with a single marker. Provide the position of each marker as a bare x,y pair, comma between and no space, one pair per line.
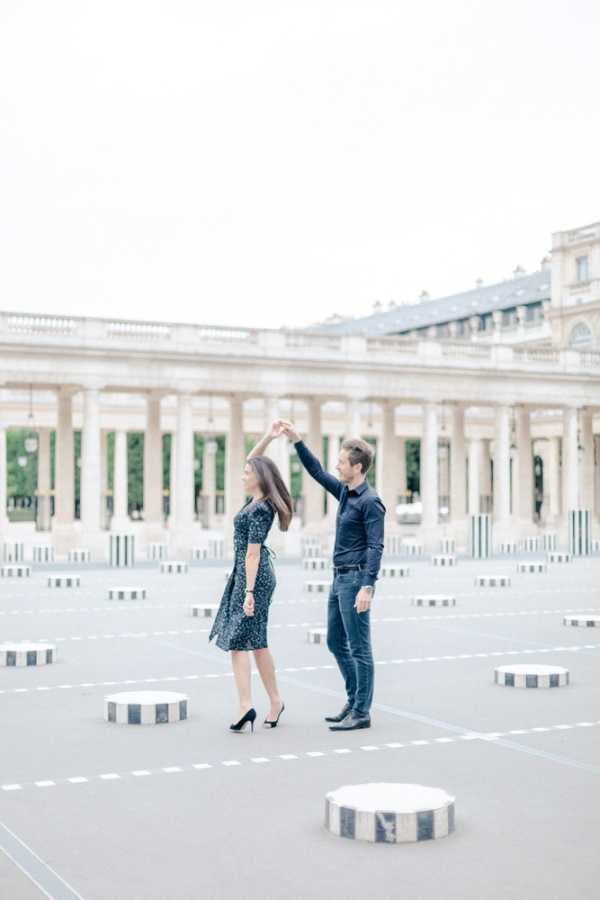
185,811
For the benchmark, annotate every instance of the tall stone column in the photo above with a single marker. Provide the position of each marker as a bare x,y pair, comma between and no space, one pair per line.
429,466
486,473
235,459
209,478
475,475
278,450
4,523
120,519
90,462
523,482
184,485
173,480
43,479
103,474
502,467
333,452
570,460
311,489
458,469
392,464
586,474
551,477
597,475
64,482
153,511
353,421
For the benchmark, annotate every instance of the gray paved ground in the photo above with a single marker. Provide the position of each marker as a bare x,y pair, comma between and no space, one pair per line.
190,810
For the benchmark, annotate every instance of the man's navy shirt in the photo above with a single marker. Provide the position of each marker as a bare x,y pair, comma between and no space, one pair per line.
359,521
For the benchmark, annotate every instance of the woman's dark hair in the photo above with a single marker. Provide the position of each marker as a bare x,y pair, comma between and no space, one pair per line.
273,488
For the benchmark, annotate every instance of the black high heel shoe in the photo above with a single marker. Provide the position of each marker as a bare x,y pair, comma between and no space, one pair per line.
250,716
272,723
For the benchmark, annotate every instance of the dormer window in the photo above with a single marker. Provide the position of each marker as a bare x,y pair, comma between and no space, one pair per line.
582,268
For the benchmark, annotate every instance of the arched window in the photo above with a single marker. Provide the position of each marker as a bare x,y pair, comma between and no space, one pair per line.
581,336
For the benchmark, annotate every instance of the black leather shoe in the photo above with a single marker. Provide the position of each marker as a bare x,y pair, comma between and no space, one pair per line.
350,723
339,716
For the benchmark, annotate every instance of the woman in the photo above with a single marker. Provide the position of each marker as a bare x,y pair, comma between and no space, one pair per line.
242,617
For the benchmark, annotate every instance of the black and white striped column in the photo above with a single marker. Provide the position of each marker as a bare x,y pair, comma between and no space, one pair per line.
15,570
127,593
145,707
480,535
531,675
43,553
389,812
122,550
26,653
580,532
64,580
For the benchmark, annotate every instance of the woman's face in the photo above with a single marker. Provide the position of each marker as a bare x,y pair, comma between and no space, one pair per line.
249,479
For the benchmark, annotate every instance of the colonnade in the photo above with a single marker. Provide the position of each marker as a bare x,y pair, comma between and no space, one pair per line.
464,474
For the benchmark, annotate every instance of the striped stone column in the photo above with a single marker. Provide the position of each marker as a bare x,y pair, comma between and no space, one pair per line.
502,466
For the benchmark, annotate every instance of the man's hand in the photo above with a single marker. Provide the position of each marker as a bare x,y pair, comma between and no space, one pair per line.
275,430
290,430
363,600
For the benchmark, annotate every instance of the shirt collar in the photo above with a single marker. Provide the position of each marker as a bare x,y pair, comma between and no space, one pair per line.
360,489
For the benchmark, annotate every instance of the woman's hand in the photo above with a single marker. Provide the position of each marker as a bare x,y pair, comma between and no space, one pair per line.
289,429
249,604
275,430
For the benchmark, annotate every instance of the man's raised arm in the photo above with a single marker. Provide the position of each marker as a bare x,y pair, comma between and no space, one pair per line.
311,463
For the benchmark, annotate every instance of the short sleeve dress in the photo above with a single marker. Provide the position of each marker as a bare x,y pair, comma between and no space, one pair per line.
233,629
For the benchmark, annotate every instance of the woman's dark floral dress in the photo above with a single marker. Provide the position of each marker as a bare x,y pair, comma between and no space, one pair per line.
233,628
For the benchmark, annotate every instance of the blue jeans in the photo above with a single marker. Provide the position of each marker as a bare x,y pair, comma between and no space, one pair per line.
349,639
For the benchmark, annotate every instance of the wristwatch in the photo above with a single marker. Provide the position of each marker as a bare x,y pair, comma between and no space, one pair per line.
370,588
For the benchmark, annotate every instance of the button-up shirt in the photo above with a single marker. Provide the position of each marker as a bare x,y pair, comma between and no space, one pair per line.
359,521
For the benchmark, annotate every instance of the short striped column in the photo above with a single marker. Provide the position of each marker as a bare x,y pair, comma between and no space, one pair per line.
42,553
389,813
79,555
480,535
122,550
127,593
492,580
317,587
559,556
64,580
550,540
584,620
531,675
316,635
595,546
310,545
15,571
530,544
393,571
447,545
216,548
157,551
509,548
204,610
316,564
392,544
580,532
173,567
433,600
22,653
145,707
412,548
532,567
13,551
444,560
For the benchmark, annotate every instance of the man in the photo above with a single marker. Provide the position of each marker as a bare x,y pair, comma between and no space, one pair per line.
356,560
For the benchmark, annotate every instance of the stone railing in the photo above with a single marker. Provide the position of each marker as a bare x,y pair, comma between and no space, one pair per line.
73,332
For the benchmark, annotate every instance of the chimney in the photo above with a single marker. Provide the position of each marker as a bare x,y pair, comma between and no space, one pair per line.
479,283
518,271
424,295
546,264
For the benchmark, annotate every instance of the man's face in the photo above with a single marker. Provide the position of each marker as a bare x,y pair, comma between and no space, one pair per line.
345,469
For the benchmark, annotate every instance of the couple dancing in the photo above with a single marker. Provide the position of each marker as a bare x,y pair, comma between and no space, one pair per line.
241,622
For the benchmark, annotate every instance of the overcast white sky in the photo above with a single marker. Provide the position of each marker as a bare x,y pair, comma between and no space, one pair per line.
271,163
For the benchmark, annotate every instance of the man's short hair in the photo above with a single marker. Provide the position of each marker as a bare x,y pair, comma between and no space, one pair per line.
359,451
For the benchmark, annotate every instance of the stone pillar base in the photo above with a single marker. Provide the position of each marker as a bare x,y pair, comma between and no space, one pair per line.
182,540
65,537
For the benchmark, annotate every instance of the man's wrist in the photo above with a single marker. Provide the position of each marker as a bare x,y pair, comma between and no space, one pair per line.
370,588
